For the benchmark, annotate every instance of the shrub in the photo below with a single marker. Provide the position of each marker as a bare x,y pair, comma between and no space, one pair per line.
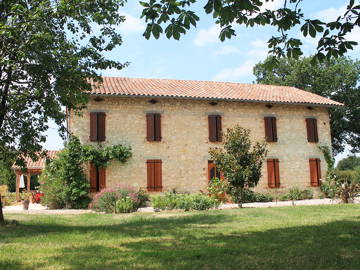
125,205
107,199
250,196
296,194
217,189
171,200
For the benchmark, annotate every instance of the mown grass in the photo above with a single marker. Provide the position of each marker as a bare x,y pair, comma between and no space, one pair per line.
311,237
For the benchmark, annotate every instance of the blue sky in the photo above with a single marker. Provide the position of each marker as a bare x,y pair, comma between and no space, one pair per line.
200,55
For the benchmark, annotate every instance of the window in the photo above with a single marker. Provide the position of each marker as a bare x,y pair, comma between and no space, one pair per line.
315,172
153,127
97,126
273,173
154,175
270,129
97,178
215,128
312,131
213,171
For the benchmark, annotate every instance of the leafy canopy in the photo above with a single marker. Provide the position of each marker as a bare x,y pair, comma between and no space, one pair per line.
176,17
349,163
239,160
337,79
48,51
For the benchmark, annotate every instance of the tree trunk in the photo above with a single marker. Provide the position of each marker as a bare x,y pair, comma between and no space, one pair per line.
240,203
2,220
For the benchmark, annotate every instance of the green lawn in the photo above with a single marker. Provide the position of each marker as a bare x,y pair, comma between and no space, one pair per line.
311,237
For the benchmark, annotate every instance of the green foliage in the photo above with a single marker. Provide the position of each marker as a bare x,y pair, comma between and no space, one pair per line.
63,181
239,160
178,16
47,66
101,156
217,189
249,196
349,163
296,194
116,200
337,79
125,205
7,175
186,202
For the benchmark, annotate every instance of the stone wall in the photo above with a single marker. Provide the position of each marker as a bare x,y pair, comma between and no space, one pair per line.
184,146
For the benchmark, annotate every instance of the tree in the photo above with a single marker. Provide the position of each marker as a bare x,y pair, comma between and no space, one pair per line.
349,163
175,17
48,52
63,181
337,79
239,160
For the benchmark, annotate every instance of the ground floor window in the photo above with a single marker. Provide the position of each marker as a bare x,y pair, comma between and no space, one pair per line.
154,175
273,173
97,178
315,172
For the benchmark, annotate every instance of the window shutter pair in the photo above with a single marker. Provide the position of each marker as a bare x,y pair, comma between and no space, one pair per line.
97,178
213,171
270,129
215,134
315,172
153,127
312,131
154,175
273,173
97,126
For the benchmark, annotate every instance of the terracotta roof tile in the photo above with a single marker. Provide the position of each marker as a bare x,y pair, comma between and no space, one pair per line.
40,163
136,87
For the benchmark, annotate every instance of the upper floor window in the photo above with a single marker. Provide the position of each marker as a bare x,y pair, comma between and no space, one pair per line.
312,131
215,128
270,129
97,126
153,127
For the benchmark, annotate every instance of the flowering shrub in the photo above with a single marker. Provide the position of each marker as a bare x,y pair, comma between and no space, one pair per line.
106,200
217,189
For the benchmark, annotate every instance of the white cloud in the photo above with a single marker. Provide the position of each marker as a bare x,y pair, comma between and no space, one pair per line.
206,36
272,5
131,24
227,49
231,74
330,14
259,49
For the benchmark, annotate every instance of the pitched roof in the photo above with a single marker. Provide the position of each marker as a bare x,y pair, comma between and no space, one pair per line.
119,86
40,163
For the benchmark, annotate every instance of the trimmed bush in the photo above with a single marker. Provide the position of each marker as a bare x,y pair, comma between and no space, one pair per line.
109,199
125,205
196,201
250,196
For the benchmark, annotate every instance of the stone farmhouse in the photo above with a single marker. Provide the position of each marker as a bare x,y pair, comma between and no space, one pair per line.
171,124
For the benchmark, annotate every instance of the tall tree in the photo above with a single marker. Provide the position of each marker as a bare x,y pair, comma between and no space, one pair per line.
337,79
49,49
349,163
175,17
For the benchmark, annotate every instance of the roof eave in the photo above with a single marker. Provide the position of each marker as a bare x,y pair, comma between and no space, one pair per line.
221,99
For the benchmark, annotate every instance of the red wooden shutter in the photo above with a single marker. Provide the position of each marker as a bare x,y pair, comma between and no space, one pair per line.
268,129
150,134
218,128
212,128
102,178
93,127
315,172
154,175
312,131
157,175
211,170
316,136
93,176
101,126
274,129
157,125
273,173
150,175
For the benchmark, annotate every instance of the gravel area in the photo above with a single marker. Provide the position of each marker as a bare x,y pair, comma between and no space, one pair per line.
40,209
